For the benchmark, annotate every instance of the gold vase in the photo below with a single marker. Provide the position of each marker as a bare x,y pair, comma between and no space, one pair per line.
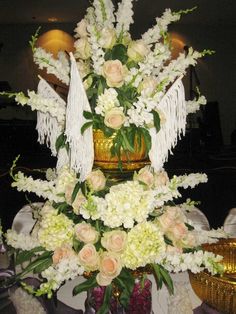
103,159
219,292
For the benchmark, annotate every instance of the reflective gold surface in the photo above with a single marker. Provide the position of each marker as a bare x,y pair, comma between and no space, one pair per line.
219,292
104,160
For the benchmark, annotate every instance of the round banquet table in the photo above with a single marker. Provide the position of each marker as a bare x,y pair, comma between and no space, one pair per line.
183,301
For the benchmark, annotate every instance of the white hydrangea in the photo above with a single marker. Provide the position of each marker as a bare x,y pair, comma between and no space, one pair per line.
21,241
67,269
107,101
93,208
124,16
127,203
60,68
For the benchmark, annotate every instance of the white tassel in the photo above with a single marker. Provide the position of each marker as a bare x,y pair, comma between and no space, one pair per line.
173,106
62,158
81,145
47,126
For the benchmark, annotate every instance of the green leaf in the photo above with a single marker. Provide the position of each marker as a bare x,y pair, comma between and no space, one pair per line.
36,263
84,286
106,301
75,191
44,265
62,207
87,115
157,274
86,126
60,142
125,283
119,52
127,142
77,245
27,255
156,119
167,279
190,228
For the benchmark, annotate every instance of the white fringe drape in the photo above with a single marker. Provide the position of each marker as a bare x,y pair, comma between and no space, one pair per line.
173,106
47,126
81,145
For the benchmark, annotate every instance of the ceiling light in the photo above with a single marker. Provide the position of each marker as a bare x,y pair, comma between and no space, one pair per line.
52,19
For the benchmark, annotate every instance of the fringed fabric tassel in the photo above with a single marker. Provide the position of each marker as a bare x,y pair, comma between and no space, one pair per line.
173,106
62,158
47,126
81,145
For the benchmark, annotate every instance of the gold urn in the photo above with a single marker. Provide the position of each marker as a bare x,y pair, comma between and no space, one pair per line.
219,292
104,160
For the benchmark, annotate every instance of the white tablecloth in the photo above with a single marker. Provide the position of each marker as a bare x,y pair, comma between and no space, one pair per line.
183,301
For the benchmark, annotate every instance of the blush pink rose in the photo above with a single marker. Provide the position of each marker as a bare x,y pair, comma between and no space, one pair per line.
114,73
172,215
79,200
89,257
114,241
103,280
177,232
114,118
146,176
62,252
86,233
96,180
160,178
110,265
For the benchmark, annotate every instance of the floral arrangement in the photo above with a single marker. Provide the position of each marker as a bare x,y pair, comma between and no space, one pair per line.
90,224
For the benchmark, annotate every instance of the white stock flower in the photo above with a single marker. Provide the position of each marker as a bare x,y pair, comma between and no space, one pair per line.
46,60
124,16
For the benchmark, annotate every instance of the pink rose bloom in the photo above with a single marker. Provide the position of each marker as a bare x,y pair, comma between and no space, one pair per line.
109,267
103,280
114,118
160,178
62,252
177,232
173,249
114,73
86,233
189,240
88,257
114,240
146,176
79,200
96,180
171,216
68,192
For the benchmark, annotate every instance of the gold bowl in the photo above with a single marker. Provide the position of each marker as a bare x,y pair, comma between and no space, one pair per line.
103,159
219,292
